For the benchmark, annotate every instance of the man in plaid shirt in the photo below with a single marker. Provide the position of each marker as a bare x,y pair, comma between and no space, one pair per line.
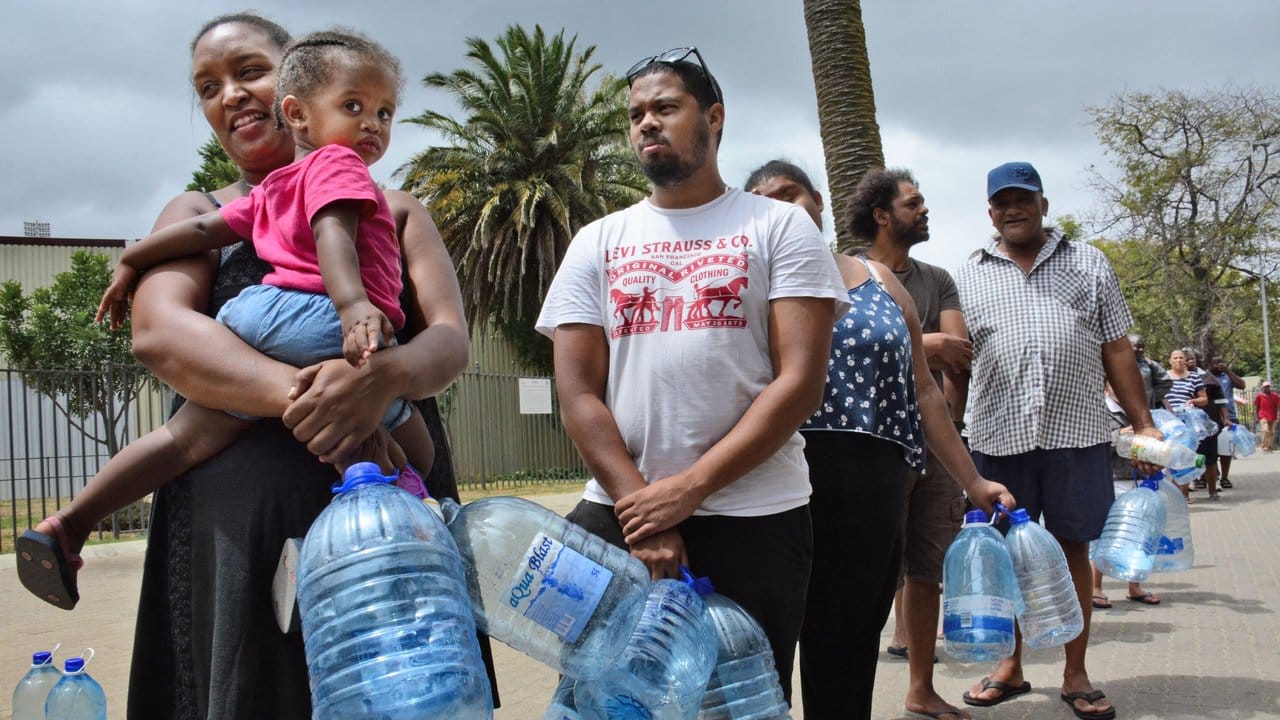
1049,325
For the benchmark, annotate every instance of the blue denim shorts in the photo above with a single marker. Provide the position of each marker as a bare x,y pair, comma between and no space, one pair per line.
1070,486
295,327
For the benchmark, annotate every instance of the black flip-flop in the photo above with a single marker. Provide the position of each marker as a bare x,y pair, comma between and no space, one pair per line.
1007,692
898,651
1091,698
1101,602
1145,599
45,570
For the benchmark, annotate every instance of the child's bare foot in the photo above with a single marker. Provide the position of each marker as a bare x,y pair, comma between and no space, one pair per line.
48,562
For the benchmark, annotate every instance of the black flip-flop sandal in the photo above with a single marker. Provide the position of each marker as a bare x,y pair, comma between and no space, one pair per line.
45,570
1089,697
1007,692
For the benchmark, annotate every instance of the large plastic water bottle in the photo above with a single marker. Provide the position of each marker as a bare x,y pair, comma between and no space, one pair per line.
980,594
1174,551
1243,444
33,689
545,586
1198,420
1156,452
1174,429
1051,613
1126,550
744,684
663,672
1185,476
562,706
386,622
76,696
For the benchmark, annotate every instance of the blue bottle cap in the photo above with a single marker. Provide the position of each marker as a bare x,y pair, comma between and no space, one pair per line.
700,585
41,658
1019,516
361,474
975,517
75,664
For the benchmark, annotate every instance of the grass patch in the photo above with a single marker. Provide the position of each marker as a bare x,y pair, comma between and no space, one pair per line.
17,516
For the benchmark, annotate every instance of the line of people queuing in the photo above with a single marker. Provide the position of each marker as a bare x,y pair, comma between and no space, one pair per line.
786,420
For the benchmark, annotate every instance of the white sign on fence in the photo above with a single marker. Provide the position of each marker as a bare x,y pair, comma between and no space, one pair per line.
535,396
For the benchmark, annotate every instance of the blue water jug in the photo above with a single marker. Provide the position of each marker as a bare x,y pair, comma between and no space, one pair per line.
663,672
1175,551
562,706
1199,421
744,683
980,593
1051,614
386,622
1174,429
545,586
33,689
1127,547
76,696
1243,444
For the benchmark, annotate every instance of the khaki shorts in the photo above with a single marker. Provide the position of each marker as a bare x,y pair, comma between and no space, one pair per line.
934,513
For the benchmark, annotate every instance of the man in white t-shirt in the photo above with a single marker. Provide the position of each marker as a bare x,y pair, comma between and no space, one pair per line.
692,332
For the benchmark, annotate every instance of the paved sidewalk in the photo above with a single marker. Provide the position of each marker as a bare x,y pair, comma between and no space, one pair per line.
1211,649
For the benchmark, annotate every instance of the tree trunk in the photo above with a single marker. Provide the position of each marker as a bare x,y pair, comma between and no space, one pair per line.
846,103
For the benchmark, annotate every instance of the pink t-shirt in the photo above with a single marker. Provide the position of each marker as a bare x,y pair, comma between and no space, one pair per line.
277,216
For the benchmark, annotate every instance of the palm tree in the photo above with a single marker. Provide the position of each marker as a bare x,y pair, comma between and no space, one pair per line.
536,157
846,103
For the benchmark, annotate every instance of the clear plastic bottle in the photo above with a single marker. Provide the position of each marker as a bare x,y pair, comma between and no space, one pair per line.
980,594
744,684
386,621
1199,421
1174,551
33,689
1126,550
663,672
76,696
562,706
1051,613
1157,452
1174,429
1243,444
1185,476
545,586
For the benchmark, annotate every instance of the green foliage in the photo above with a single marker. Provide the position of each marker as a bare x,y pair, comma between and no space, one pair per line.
536,156
1190,215
216,169
85,368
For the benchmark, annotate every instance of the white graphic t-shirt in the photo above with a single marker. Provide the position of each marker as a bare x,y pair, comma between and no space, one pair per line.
683,297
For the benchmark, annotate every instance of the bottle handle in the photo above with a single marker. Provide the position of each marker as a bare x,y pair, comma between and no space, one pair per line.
996,515
87,655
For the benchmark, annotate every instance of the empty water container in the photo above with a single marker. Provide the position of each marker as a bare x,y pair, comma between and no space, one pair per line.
1174,551
1126,550
1051,613
33,689
744,684
562,706
1156,452
76,696
1174,429
980,594
663,671
1199,421
386,621
545,586
1243,444
1185,476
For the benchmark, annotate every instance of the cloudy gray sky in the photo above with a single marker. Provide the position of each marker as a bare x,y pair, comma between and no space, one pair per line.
101,128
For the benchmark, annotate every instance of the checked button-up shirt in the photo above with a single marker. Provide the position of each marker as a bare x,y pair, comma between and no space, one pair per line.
1038,379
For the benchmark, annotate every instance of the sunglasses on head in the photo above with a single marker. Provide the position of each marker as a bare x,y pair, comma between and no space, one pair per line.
672,57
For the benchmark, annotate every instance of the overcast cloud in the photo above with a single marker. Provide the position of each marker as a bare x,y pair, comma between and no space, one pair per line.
101,128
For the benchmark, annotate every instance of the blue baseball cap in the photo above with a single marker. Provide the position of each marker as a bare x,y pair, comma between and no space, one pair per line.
1013,174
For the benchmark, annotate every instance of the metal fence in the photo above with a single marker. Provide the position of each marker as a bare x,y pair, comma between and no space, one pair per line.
48,454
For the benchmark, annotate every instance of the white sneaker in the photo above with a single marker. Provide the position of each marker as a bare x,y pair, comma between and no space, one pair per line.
284,587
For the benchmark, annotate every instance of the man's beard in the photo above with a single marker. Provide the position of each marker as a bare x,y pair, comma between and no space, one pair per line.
669,171
906,234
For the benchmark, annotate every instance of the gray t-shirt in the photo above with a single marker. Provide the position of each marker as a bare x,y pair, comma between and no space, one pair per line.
932,290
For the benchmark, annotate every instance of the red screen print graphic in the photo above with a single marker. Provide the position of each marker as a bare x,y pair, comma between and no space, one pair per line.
705,293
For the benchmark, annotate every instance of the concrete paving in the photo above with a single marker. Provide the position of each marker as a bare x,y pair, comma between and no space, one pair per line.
1211,649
